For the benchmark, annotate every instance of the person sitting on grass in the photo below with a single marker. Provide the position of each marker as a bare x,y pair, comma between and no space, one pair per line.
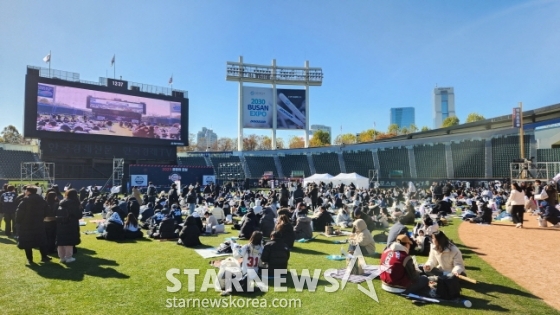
444,257
189,235
166,229
484,215
113,228
248,225
358,214
266,219
303,228
322,220
275,254
343,219
361,237
131,228
286,229
146,212
550,214
398,272
210,222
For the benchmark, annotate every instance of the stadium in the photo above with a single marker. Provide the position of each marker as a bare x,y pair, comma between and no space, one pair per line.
100,146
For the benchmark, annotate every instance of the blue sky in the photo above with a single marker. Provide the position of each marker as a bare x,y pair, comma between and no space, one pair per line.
374,54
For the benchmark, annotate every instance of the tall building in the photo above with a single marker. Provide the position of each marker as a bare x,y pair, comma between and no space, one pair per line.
206,138
402,116
444,105
324,128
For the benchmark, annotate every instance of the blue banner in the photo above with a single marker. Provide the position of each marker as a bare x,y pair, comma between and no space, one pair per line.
45,91
516,117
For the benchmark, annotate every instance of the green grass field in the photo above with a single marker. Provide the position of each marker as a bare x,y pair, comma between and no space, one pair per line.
129,278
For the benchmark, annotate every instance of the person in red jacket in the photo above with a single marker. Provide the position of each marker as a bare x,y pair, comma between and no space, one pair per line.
398,272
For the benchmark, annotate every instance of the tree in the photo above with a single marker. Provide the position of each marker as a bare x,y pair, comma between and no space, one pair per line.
345,138
472,117
225,144
296,142
404,131
368,135
412,128
10,134
425,128
265,143
320,139
251,142
450,121
393,129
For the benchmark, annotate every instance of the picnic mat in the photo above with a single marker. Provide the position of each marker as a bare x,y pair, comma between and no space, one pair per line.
370,272
342,233
96,221
209,253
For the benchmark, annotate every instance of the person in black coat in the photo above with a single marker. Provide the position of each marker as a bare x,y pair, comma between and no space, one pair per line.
485,214
275,254
314,194
284,196
147,212
68,217
266,222
50,222
133,207
443,205
31,229
358,214
323,219
248,226
189,235
173,195
285,230
114,229
298,194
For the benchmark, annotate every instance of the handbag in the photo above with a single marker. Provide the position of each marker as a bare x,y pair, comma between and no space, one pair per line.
329,230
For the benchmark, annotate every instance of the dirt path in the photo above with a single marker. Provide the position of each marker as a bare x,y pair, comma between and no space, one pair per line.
513,252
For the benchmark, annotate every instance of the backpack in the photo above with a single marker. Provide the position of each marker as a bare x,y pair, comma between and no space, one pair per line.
224,248
448,288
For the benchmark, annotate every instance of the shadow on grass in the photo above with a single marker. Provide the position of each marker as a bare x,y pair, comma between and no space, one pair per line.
7,241
306,251
85,265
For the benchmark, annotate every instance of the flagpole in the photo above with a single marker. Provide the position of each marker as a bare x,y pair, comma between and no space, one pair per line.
50,58
114,67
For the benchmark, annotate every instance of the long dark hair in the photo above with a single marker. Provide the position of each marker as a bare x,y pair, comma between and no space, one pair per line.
131,220
443,241
51,198
516,186
282,220
71,194
256,238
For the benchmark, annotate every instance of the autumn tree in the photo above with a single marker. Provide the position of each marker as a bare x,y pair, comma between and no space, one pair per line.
10,134
345,138
425,128
265,143
450,121
280,143
412,128
393,129
296,142
251,142
320,139
368,135
472,117
225,144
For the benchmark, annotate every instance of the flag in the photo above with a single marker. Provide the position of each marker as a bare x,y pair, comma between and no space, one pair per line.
171,80
47,58
113,61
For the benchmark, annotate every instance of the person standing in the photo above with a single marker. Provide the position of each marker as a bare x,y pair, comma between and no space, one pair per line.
517,202
68,216
50,221
31,229
9,206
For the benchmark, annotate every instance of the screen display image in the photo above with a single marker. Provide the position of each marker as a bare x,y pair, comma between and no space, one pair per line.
82,111
291,109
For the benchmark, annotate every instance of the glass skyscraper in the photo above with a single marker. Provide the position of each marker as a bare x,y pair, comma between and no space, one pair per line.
402,116
444,105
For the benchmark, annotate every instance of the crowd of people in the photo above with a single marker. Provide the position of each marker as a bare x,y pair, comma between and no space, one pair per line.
273,220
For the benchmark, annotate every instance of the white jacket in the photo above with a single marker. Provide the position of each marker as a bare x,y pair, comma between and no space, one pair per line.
516,198
450,260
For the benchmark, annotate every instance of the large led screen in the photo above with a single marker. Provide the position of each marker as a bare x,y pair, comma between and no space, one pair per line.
67,109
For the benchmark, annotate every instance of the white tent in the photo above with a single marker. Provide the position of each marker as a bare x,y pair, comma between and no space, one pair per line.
358,180
318,178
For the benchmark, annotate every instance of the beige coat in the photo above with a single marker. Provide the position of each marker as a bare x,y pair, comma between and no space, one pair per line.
363,237
450,260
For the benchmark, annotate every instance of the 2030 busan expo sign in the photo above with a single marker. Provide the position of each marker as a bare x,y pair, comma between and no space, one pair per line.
257,107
